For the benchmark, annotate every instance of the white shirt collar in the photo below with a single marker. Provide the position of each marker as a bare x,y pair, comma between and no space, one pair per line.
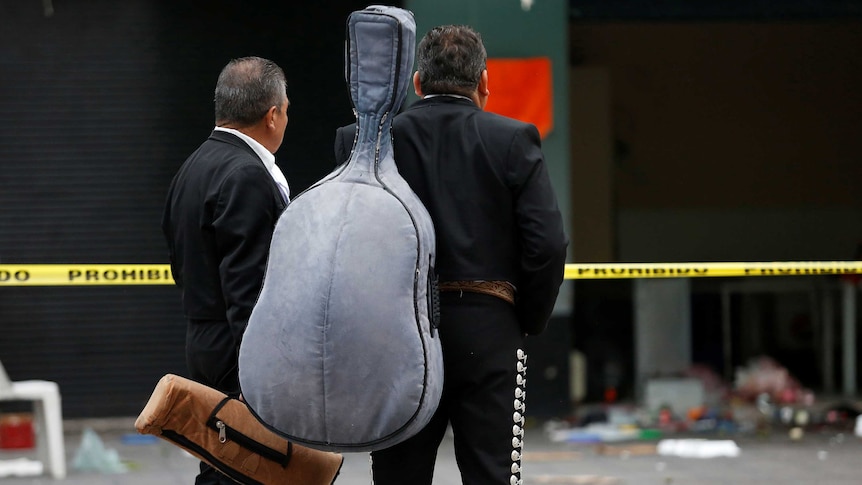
447,95
264,154
266,157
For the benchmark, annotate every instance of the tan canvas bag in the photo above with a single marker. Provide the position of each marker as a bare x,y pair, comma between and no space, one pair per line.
223,432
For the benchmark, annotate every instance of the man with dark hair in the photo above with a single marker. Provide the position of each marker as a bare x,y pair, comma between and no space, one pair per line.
500,256
219,217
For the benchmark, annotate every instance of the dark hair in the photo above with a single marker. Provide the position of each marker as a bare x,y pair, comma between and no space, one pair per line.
247,87
450,60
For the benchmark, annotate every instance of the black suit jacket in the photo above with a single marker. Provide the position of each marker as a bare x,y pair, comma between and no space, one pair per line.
219,217
483,179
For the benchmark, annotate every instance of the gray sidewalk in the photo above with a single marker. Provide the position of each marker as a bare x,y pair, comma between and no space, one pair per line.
823,457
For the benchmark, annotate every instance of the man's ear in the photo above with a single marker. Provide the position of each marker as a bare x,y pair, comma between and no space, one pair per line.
482,91
270,116
417,87
483,83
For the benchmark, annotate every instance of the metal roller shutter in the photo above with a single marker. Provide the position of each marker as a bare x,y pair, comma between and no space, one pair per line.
82,182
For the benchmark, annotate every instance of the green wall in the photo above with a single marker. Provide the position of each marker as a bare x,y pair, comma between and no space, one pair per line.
511,31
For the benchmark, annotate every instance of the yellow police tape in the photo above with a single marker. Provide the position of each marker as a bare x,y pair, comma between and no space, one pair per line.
687,270
160,274
84,274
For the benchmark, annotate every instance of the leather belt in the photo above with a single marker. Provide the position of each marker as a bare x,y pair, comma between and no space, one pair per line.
501,289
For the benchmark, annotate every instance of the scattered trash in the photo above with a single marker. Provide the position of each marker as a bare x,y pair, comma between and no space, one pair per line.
626,451
802,417
92,456
842,415
138,439
698,448
20,467
16,432
715,390
649,434
787,413
574,435
796,433
766,378
673,395
596,433
765,400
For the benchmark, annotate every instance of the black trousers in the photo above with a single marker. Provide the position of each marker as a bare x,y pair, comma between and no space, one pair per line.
484,365
211,356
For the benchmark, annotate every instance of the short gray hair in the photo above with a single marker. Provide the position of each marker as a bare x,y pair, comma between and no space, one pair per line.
247,87
450,60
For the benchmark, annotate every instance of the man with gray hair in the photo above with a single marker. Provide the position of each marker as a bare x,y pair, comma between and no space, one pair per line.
219,217
501,252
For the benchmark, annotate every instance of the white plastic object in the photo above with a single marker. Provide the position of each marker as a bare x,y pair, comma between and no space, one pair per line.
47,418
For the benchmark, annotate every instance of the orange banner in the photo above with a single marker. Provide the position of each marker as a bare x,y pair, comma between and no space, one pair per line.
522,89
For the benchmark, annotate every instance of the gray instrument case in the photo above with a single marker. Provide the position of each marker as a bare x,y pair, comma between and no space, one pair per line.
340,353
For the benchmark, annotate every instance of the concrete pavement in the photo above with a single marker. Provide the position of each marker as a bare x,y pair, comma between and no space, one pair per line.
825,456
